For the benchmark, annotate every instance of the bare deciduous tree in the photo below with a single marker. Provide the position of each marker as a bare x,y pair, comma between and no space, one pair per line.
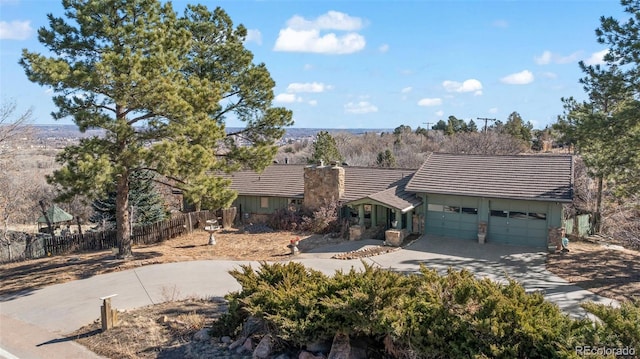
489,143
13,128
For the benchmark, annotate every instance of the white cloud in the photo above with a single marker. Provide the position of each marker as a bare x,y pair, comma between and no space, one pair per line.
548,57
290,40
406,89
308,67
493,110
312,102
332,20
15,30
519,78
439,113
543,59
287,98
359,108
597,58
503,24
308,87
302,35
470,85
430,102
254,35
383,48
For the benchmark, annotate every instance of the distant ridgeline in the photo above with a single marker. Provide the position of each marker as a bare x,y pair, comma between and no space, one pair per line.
71,131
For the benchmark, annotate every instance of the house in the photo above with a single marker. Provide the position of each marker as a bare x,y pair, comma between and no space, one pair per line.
376,196
506,199
501,199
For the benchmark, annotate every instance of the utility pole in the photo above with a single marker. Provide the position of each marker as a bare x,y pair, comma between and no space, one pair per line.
428,123
485,122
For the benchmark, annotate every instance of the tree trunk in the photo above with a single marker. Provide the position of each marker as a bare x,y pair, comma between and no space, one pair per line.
79,227
123,227
46,218
598,215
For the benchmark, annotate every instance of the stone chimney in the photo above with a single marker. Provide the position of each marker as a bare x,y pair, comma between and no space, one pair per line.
322,185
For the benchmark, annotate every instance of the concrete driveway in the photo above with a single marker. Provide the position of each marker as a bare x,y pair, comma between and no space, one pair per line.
35,325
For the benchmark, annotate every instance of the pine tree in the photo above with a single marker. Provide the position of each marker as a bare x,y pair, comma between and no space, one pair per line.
325,149
162,87
386,159
146,204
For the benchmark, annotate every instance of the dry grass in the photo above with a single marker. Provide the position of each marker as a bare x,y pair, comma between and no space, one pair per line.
21,277
613,273
163,330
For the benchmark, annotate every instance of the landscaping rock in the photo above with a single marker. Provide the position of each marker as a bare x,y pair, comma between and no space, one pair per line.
202,335
341,347
237,343
264,348
251,326
306,355
247,347
226,339
319,347
283,356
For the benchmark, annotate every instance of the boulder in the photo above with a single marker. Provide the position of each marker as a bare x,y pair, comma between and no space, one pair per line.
202,335
307,355
237,343
246,347
264,348
341,347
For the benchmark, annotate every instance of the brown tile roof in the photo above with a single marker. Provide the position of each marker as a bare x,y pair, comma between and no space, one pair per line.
279,180
275,181
531,177
397,197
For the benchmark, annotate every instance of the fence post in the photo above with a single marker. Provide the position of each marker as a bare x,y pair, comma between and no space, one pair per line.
109,316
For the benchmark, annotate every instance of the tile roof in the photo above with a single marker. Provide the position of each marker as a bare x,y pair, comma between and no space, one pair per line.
279,180
530,177
397,197
275,181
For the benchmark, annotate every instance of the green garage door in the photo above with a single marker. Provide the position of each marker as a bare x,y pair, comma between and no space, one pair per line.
452,217
518,223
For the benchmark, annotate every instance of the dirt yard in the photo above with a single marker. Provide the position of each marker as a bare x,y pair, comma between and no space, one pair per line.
26,276
602,268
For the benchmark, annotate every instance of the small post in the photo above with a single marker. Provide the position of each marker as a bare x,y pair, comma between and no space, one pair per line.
109,316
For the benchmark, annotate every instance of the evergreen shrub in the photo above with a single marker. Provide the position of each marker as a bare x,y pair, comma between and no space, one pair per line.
420,315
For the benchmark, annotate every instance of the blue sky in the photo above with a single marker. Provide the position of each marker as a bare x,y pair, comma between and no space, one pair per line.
377,64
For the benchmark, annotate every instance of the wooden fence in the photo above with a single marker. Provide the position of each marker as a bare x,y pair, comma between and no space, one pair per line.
147,234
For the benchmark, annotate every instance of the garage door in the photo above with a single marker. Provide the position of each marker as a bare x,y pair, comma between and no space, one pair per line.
454,217
522,224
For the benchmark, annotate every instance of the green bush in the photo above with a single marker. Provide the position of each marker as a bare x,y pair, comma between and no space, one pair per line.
617,328
423,315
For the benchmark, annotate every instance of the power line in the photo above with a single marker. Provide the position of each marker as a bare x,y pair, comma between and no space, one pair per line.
485,122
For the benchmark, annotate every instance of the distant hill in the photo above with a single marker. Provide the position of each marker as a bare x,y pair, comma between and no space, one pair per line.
71,131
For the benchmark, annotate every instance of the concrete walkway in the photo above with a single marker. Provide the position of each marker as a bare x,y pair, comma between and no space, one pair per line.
35,325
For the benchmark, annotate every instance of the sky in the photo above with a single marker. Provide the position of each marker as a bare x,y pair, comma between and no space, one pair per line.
380,64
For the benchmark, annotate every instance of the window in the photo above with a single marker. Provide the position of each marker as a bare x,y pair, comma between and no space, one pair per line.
499,213
264,202
518,215
452,209
542,216
435,207
468,210
296,201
